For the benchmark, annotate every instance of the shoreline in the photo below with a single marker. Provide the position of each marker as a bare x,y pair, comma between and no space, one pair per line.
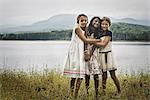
68,41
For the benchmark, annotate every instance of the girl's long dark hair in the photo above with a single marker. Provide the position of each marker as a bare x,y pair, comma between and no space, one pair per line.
92,29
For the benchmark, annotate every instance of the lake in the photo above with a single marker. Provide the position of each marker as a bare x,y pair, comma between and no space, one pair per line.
38,55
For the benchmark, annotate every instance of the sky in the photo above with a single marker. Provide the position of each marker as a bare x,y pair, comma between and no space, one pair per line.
26,12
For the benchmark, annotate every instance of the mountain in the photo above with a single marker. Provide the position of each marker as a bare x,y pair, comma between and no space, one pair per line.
133,21
60,22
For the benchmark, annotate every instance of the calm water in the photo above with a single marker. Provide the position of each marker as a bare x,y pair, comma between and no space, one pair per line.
37,55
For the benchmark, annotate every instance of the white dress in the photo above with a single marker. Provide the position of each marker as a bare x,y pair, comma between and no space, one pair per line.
106,57
74,65
92,66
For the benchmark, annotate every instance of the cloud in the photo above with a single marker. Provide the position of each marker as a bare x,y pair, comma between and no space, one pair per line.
29,11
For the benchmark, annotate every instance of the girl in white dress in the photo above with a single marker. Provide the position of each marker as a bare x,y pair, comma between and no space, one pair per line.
74,66
106,58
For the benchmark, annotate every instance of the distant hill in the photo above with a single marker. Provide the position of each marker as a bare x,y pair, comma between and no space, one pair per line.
121,32
126,28
133,21
60,22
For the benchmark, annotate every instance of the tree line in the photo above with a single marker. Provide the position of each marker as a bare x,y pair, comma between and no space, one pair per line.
121,31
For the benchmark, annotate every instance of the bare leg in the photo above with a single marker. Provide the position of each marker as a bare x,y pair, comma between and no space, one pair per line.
72,83
87,82
96,82
104,79
116,81
79,81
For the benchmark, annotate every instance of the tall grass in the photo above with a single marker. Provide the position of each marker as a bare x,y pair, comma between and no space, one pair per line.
50,85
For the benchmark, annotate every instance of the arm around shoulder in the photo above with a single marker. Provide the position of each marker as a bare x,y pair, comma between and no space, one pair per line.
81,35
104,42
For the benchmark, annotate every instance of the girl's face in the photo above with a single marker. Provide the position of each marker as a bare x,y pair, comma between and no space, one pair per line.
105,25
96,23
83,21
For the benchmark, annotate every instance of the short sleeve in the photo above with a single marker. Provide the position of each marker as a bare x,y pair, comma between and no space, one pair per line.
107,33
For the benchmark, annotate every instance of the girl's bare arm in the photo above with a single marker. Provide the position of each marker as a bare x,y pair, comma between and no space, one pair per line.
104,42
83,38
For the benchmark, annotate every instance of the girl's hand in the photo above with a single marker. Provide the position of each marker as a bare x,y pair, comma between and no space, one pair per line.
86,55
96,43
97,40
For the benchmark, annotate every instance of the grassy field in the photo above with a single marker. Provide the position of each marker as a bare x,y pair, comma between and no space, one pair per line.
50,85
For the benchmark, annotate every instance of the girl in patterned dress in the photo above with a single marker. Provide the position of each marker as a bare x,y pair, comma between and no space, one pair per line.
74,66
92,65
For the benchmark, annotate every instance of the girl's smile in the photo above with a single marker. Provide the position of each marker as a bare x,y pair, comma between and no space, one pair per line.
96,23
105,25
83,21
